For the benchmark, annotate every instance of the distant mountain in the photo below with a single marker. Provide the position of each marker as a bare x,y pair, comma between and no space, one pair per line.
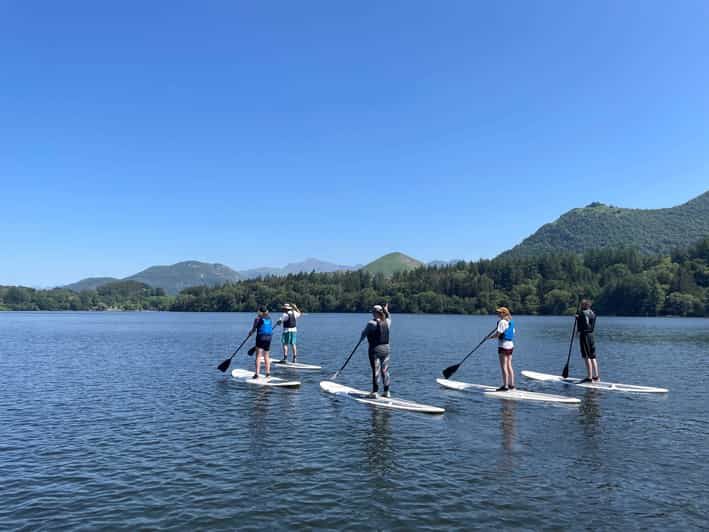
182,275
596,226
443,263
392,263
90,283
306,266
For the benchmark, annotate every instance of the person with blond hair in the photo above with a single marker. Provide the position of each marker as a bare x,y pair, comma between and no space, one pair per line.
505,334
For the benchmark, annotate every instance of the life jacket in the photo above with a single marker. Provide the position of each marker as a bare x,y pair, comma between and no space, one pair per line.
380,335
509,333
290,321
265,328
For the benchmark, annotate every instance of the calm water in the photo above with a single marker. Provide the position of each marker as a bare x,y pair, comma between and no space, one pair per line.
120,420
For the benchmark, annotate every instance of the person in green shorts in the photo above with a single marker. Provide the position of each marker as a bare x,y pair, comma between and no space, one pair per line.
291,313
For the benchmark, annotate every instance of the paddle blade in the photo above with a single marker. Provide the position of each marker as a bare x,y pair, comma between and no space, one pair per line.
450,370
565,373
334,375
252,351
224,365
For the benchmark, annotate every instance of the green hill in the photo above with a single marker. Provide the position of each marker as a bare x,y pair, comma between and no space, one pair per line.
90,283
182,275
391,263
596,226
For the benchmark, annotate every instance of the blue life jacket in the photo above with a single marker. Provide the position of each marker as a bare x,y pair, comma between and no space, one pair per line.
509,333
265,328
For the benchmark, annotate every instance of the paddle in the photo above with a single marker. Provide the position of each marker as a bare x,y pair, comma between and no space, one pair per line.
565,372
334,375
450,370
225,365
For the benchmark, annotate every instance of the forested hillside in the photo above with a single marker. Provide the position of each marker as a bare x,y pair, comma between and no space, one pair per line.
622,281
597,226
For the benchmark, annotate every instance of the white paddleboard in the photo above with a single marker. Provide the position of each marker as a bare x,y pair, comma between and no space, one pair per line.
382,402
601,385
511,395
293,365
247,376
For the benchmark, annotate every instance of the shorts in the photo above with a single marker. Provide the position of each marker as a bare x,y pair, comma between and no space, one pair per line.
588,346
263,342
289,338
503,351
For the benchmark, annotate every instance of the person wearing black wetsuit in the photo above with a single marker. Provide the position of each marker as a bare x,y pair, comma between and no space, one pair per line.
585,325
377,334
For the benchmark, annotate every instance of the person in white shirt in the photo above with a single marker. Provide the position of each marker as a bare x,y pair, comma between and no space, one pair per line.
505,334
291,313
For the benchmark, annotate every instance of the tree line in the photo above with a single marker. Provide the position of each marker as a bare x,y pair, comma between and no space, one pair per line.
621,281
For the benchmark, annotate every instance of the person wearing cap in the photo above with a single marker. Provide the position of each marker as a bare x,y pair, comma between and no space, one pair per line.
377,334
505,334
585,324
263,328
291,313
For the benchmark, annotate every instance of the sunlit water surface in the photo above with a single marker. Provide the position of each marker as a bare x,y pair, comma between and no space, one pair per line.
121,420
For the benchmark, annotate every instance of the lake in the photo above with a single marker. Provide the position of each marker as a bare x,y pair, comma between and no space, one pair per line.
121,421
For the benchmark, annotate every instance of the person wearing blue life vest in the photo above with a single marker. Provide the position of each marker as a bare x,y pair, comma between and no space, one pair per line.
263,327
505,335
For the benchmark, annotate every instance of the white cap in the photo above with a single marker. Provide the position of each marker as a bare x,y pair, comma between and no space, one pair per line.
378,308
286,306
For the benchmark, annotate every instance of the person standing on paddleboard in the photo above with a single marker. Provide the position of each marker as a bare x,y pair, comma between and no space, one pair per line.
377,334
263,328
585,324
291,313
505,334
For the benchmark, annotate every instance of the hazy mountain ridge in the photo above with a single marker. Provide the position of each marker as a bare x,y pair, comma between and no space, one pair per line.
597,226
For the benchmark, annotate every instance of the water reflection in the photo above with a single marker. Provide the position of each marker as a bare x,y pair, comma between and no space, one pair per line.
378,444
508,431
590,419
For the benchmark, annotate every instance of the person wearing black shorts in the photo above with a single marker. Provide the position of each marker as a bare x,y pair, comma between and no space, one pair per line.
585,325
263,327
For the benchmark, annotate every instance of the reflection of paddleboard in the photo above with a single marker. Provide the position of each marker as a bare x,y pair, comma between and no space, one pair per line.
513,395
246,376
602,385
382,402
293,365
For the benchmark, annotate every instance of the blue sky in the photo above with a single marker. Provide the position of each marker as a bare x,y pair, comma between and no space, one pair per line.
260,133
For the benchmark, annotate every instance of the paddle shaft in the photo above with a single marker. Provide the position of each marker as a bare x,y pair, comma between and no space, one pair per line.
348,359
224,365
487,336
565,371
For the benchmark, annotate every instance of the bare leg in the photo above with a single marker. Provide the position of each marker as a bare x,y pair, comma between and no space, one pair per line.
267,358
503,368
510,374
594,367
258,360
589,366
295,353
285,351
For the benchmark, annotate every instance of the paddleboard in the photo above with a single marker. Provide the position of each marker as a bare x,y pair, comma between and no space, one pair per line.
382,402
602,385
246,376
511,395
293,365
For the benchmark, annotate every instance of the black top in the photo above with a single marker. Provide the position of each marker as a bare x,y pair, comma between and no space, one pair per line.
586,321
